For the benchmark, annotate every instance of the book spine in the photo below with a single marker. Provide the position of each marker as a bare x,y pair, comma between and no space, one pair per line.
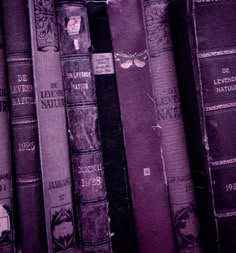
169,117
212,42
7,244
215,51
29,194
82,113
115,166
142,142
186,64
53,139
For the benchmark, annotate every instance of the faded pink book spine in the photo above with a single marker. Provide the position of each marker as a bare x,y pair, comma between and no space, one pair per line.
52,126
170,121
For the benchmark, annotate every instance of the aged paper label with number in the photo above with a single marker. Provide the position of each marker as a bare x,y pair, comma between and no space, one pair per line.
103,64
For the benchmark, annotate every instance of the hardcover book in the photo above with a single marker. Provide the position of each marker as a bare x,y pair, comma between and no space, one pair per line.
141,134
53,139
211,46
115,166
29,217
7,240
87,161
170,121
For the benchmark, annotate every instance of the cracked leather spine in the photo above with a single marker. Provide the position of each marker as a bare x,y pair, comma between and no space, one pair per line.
27,173
82,114
7,240
142,140
53,138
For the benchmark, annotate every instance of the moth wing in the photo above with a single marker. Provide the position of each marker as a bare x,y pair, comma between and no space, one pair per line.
127,64
138,63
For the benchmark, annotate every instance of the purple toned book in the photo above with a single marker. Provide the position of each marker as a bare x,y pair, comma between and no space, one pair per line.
7,244
170,121
87,161
29,217
211,27
142,140
53,139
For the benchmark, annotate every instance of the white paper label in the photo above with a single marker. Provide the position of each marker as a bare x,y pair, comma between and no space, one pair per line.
103,64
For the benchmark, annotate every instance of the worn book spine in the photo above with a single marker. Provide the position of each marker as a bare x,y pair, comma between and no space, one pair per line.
115,166
212,40
214,28
170,121
82,113
29,194
186,66
52,126
7,243
142,140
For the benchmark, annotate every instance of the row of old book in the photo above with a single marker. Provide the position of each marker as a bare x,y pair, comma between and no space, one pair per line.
119,131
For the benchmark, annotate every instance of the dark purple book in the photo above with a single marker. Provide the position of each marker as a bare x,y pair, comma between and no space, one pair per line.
53,139
209,44
7,240
141,134
29,206
115,165
87,161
